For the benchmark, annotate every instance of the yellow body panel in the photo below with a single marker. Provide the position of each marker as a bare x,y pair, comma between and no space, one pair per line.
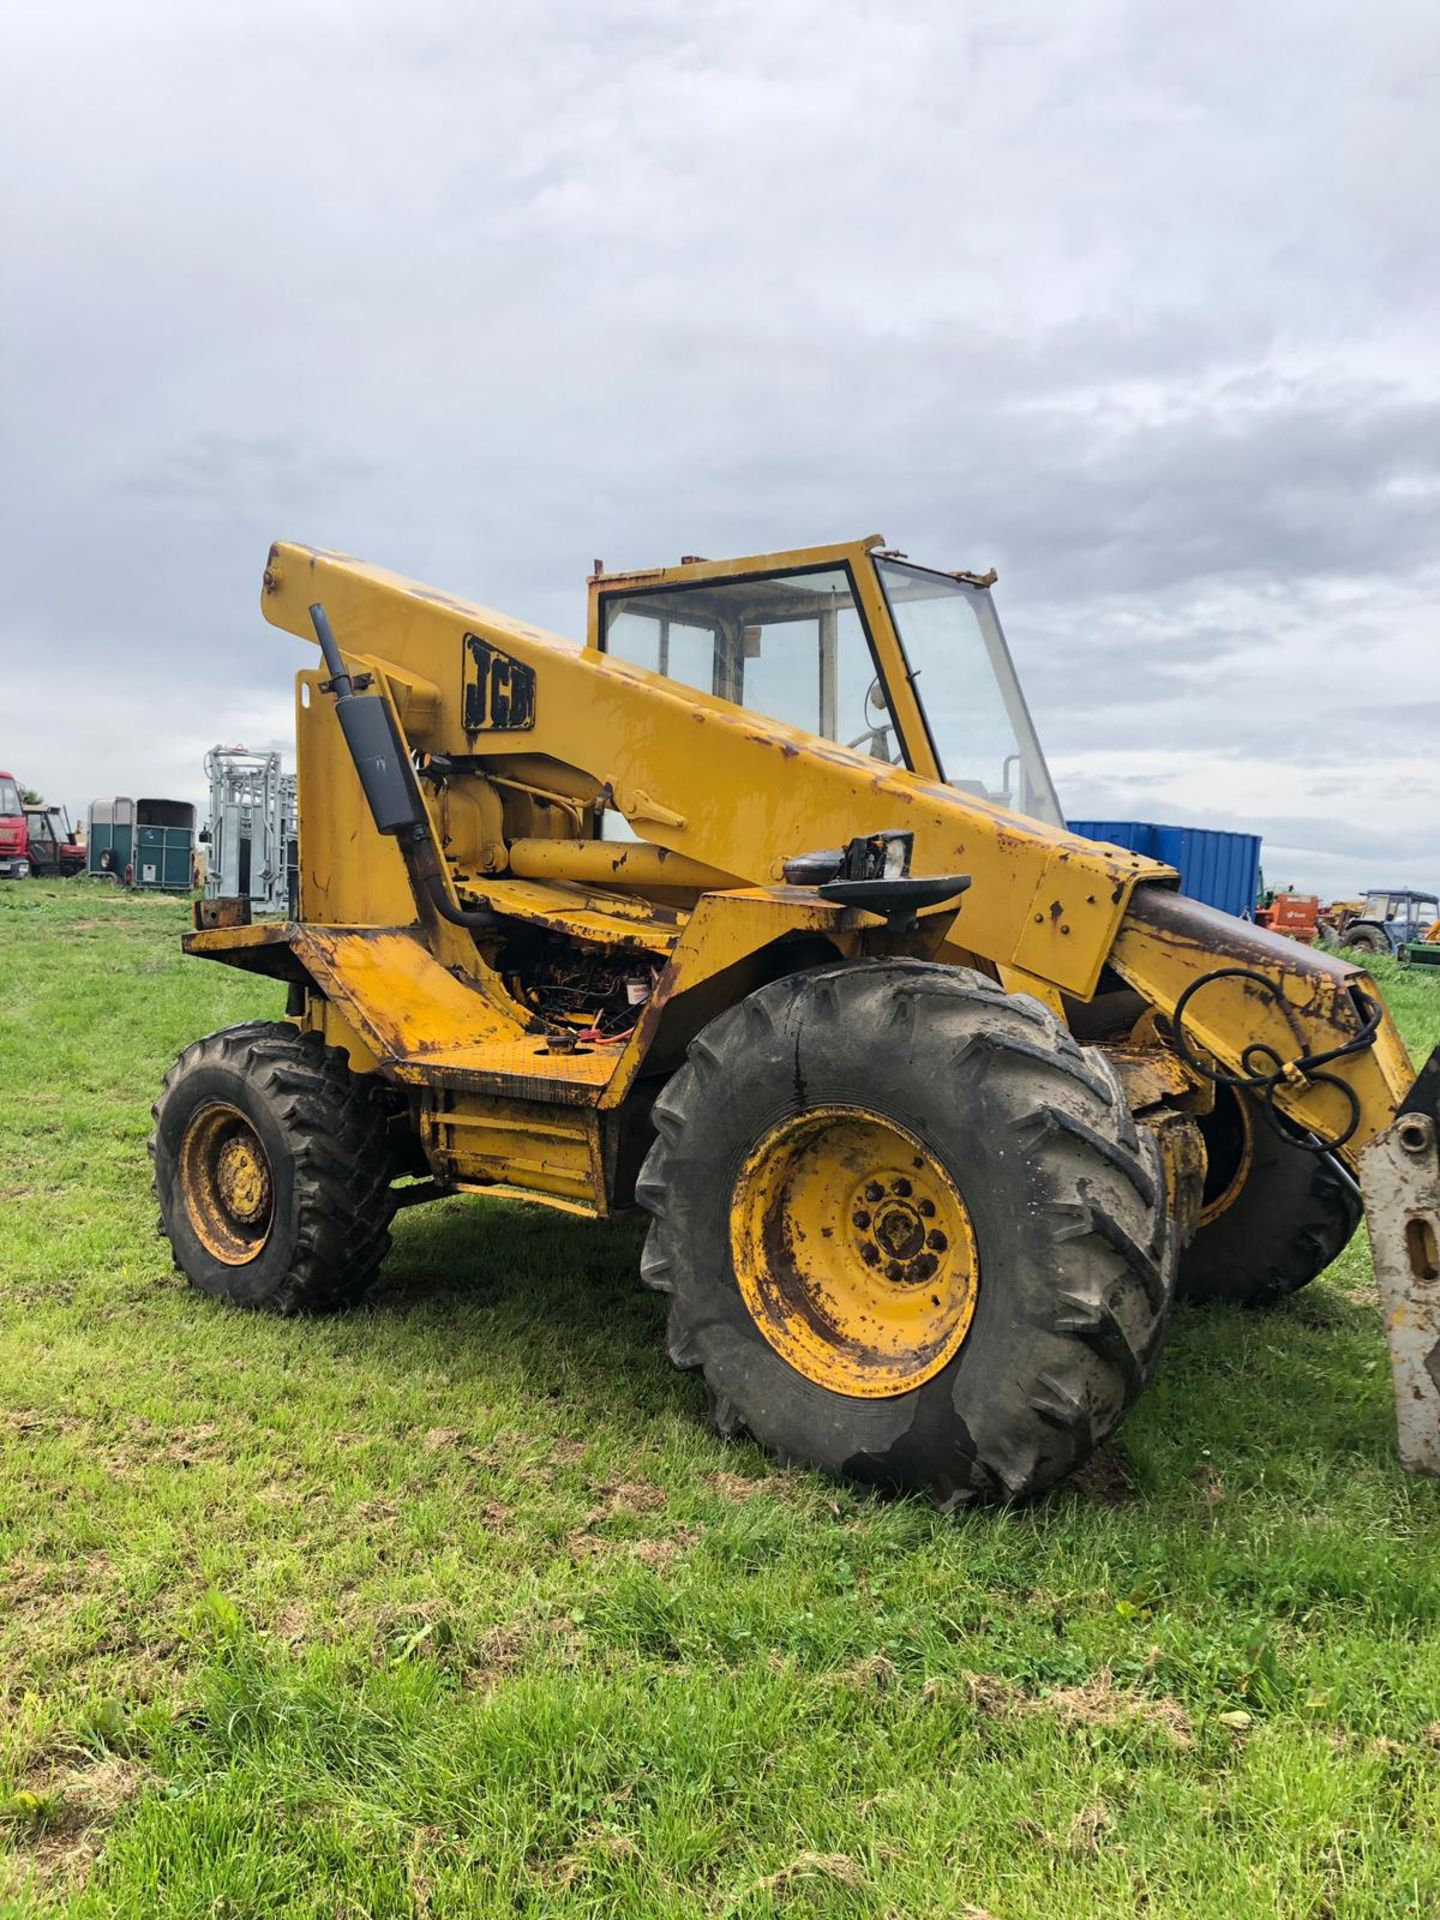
1162,953
721,785
536,742
533,1147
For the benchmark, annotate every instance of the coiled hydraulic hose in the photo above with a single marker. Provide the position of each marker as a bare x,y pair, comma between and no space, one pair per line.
1262,1071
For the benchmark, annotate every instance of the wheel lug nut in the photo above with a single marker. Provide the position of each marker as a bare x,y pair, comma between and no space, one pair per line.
874,1191
860,1219
926,1209
936,1240
870,1254
902,1187
894,1271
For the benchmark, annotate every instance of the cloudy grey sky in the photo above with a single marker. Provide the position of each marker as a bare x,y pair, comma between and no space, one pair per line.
1139,304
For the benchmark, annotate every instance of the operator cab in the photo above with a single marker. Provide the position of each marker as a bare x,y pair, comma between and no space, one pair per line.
1405,915
853,644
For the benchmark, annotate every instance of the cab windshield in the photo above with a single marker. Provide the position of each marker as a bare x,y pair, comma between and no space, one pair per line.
795,647
961,671
790,646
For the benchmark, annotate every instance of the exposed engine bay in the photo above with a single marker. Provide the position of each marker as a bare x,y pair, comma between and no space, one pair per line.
595,991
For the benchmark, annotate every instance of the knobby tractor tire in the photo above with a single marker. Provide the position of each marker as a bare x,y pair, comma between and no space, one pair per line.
1016,1365
273,1170
1273,1215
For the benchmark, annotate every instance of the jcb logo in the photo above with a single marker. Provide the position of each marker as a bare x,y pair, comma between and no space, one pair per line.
499,691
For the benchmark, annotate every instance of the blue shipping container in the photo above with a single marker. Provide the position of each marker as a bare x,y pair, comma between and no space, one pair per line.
1222,869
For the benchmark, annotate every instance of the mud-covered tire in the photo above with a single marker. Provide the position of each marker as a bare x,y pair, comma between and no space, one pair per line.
1286,1219
323,1136
1076,1250
1366,938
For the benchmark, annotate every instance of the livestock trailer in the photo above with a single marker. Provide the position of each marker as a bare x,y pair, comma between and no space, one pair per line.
145,844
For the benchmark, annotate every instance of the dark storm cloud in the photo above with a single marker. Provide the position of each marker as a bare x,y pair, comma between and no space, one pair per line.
1139,307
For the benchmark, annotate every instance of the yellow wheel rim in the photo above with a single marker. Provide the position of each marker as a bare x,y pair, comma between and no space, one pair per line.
226,1184
1225,1198
854,1252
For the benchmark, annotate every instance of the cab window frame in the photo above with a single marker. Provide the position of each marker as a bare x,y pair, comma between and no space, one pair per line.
619,599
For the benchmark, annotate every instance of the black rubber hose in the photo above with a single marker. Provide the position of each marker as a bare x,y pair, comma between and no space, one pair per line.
478,919
417,847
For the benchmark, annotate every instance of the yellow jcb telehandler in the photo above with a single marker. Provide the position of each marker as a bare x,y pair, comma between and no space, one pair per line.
758,910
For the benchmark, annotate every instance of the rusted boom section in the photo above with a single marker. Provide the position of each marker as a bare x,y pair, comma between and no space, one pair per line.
1253,1008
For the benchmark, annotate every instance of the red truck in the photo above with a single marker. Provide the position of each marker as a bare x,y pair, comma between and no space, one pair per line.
14,831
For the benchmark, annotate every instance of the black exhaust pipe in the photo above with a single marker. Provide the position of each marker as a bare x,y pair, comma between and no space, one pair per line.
382,765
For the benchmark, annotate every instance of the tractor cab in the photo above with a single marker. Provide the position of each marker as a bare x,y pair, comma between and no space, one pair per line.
852,644
1391,920
55,847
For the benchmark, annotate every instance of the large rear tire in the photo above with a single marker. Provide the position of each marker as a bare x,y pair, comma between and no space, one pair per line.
1273,1215
909,1231
273,1170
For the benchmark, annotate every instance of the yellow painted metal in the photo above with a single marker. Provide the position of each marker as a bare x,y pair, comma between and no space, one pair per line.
725,931
854,1251
1242,1113
226,1184
398,996
614,863
350,874
722,785
238,946
719,794
588,913
531,1146
1165,946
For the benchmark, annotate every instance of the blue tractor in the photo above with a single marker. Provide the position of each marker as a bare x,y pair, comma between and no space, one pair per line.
1391,922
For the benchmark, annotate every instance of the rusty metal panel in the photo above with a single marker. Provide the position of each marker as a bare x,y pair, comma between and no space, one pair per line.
223,910
1073,913
530,1147
585,912
527,1069
394,991
1400,1179
1261,990
1153,1076
426,1026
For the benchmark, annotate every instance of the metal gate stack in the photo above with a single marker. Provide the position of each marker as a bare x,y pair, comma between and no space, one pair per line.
253,829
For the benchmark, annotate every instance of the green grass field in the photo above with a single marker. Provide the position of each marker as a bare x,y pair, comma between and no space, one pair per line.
454,1606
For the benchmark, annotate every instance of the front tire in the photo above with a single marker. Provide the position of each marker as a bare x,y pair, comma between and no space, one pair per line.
1273,1215
273,1170
1015,1291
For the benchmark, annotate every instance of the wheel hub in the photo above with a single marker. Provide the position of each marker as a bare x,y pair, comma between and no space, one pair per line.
226,1184
854,1251
242,1178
